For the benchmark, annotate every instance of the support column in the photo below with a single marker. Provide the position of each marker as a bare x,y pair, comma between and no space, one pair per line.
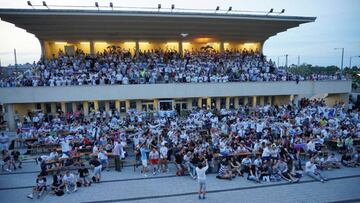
221,47
254,101
86,108
156,104
218,104
10,117
107,106
246,101
92,48
73,107
42,106
262,100
137,48
199,103
208,103
236,102
53,108
189,104
117,105
96,106
138,105
127,105
227,102
43,49
180,48
63,107
270,100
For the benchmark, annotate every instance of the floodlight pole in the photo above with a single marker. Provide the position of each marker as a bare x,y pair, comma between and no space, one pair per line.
298,61
15,62
342,57
351,59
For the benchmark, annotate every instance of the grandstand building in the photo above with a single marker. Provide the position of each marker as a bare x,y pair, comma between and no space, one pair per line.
94,31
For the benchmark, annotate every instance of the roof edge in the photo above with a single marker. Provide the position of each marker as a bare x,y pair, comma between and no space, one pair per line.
302,19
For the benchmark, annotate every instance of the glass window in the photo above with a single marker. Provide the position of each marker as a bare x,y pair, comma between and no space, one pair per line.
112,105
101,105
69,107
222,103
132,104
166,106
213,103
241,101
232,102
122,107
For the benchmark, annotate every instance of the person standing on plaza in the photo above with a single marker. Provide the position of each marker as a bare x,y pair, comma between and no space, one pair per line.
117,151
154,159
4,142
201,176
144,159
163,157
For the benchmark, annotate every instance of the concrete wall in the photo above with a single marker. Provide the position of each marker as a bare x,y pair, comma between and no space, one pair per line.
126,92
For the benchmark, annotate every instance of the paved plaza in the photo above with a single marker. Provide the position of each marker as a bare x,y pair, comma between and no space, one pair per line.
130,186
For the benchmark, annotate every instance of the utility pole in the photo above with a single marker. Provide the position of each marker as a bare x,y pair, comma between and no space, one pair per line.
278,63
286,61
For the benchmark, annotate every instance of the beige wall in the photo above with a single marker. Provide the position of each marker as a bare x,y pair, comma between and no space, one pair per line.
282,100
22,109
192,46
100,46
85,46
183,90
242,46
332,99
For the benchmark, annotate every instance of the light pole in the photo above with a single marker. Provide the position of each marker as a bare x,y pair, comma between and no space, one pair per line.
286,60
342,57
351,59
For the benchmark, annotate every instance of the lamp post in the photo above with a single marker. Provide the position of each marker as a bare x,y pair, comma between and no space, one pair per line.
351,59
286,60
342,57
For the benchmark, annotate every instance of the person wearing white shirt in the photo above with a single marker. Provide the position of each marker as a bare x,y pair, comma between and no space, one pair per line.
312,171
70,182
201,176
65,147
163,157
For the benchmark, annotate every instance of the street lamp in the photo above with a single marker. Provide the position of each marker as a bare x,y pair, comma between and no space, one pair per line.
351,59
342,57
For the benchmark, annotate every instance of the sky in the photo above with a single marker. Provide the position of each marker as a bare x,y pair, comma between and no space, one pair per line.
337,26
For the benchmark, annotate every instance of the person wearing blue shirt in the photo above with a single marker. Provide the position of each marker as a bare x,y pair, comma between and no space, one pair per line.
144,159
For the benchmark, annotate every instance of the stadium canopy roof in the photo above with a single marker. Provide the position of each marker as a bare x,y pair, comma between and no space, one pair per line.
76,25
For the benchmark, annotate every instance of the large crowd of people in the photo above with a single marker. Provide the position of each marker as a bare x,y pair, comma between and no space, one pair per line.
264,143
117,66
